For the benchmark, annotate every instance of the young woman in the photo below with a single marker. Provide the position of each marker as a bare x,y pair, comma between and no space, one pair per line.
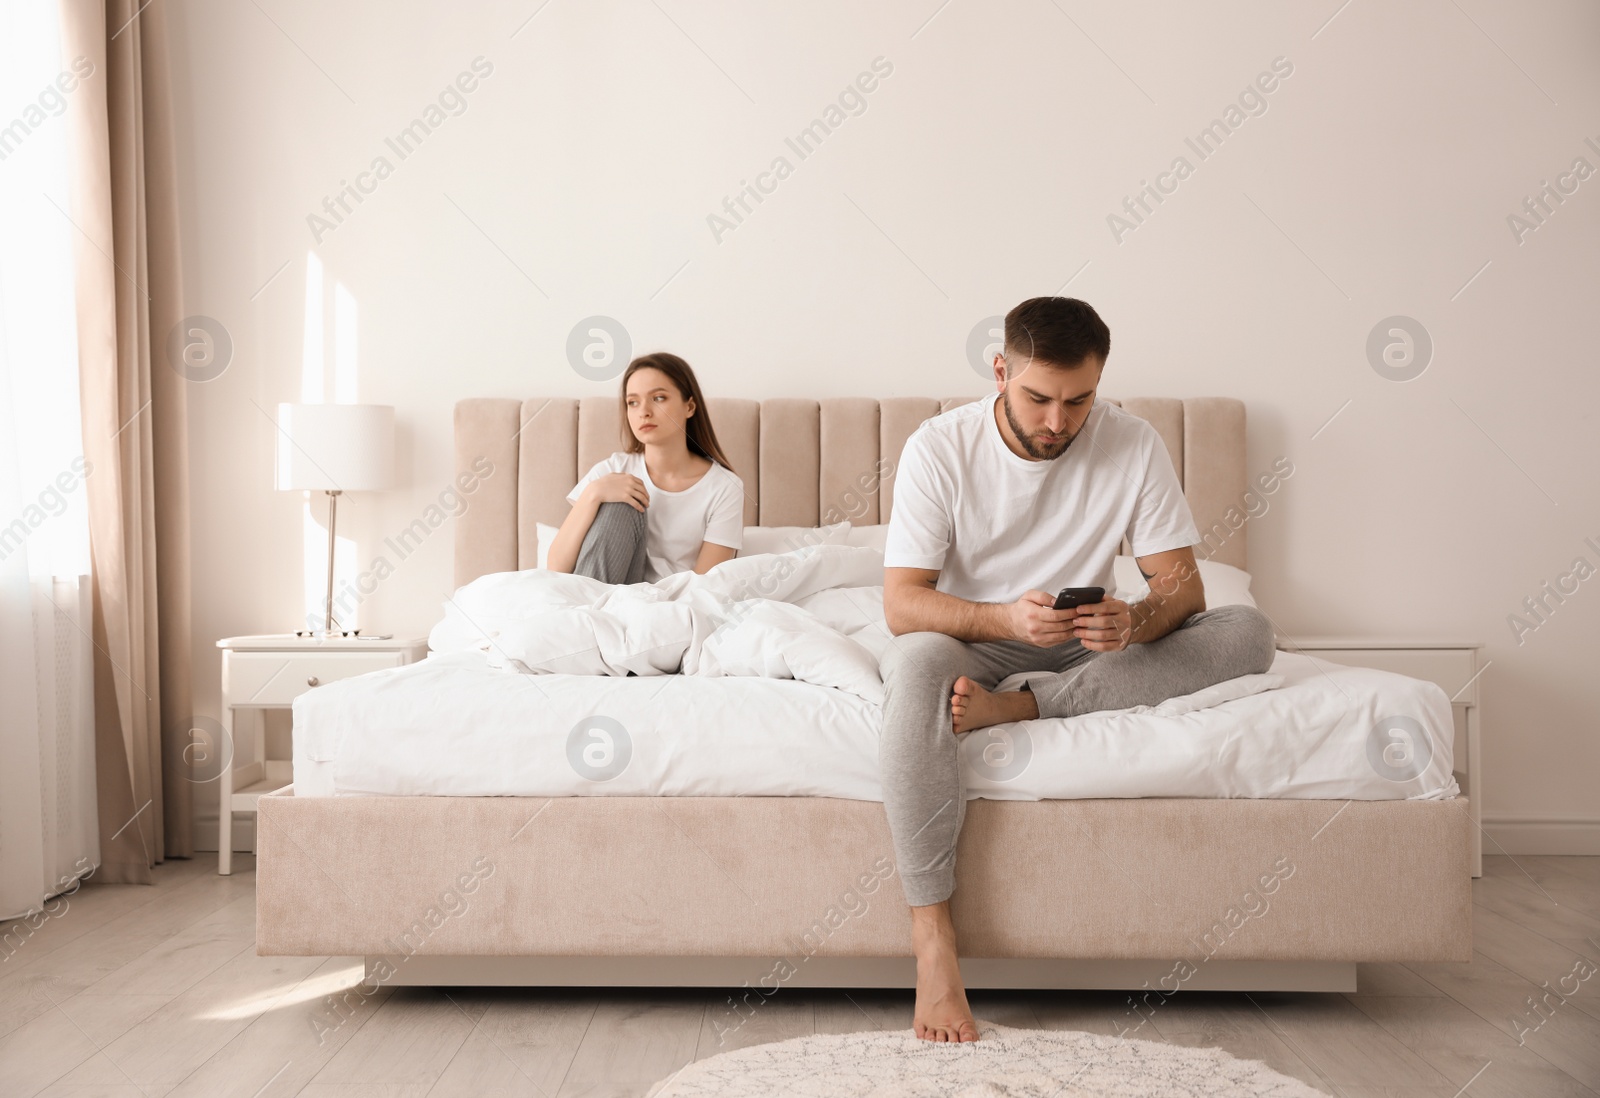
669,501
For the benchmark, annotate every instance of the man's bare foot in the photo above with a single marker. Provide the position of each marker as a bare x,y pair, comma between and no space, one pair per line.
971,706
941,1013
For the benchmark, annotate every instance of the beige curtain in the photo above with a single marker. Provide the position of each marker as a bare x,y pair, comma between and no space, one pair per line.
129,296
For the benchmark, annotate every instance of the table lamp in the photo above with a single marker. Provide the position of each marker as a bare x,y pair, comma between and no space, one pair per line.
334,448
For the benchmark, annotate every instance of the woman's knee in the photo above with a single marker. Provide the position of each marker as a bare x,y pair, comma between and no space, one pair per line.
611,525
620,514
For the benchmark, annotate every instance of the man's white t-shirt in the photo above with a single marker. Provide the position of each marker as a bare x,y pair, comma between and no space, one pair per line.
996,525
711,509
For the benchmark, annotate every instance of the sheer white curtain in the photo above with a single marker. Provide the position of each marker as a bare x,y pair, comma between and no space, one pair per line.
48,816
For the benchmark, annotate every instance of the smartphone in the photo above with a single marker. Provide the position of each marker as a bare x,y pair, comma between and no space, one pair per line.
1079,596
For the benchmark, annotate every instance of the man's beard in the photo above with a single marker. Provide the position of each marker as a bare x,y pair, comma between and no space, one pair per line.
1037,451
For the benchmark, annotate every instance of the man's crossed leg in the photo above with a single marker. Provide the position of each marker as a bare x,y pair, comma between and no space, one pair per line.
936,686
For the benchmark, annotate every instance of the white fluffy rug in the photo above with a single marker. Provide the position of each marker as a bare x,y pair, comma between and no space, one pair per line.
1006,1063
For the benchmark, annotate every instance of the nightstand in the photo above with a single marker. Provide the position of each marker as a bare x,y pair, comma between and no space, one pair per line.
1454,666
269,672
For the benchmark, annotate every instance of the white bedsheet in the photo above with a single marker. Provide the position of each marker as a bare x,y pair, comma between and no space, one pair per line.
760,678
451,725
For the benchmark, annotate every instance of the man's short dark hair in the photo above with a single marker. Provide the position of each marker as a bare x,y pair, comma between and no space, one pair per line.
1055,331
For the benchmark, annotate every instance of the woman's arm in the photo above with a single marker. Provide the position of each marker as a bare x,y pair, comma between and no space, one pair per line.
711,555
610,488
724,523
569,539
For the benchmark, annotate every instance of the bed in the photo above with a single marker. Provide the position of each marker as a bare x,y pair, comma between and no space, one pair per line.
439,827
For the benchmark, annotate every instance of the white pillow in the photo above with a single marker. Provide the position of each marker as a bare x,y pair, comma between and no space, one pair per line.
783,539
547,537
869,537
1225,585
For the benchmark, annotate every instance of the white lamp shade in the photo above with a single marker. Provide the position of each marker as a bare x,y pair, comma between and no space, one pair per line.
335,447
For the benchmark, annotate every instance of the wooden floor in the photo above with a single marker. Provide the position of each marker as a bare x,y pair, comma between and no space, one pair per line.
132,991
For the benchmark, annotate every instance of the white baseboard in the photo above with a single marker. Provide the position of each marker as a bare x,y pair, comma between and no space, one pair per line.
1541,835
204,833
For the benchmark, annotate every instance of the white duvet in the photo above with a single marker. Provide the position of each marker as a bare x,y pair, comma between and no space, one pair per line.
760,679
774,615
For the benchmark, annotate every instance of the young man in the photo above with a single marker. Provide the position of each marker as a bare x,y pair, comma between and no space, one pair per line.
997,505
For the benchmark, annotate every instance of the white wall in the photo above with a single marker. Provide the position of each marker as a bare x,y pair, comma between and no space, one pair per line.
579,179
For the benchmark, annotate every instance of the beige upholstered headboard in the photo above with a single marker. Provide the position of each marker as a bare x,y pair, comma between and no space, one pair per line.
803,463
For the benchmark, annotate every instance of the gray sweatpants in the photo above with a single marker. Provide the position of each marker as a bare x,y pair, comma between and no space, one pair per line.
924,789
613,549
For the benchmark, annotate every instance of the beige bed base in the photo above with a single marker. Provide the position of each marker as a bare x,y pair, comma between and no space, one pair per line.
761,893
801,891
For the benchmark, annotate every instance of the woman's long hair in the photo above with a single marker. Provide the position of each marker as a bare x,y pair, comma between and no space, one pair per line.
698,432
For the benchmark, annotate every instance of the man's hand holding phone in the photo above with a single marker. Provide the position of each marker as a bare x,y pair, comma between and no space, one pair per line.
1102,624
1078,613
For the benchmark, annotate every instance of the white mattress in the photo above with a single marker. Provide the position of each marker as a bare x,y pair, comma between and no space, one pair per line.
452,725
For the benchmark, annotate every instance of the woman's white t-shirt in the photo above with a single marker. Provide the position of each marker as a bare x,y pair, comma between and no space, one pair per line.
711,509
996,525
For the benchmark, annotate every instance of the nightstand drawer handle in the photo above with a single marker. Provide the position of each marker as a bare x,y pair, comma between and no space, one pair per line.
312,681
